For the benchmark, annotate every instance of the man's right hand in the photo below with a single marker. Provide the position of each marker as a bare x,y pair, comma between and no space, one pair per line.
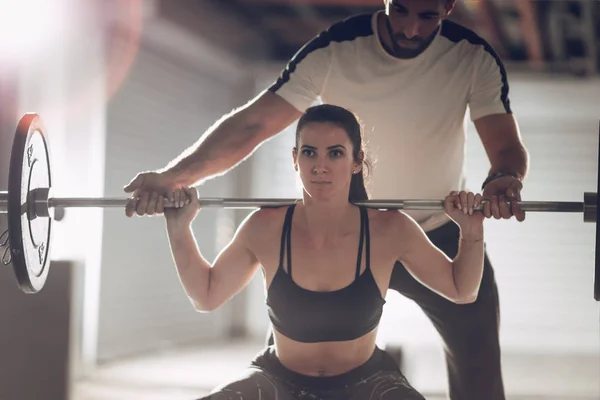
147,187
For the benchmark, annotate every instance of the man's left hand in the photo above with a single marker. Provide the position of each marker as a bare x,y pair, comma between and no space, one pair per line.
498,193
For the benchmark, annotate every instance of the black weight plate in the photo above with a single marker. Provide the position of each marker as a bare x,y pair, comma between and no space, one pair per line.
29,234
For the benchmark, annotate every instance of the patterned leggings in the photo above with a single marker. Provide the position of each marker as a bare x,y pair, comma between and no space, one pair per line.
267,379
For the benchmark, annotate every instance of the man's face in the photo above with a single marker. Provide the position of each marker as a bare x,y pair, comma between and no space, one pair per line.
412,24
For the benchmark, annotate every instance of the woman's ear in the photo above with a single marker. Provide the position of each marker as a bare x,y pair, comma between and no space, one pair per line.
358,163
295,158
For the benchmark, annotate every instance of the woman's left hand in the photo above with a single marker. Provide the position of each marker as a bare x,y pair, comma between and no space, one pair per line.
462,208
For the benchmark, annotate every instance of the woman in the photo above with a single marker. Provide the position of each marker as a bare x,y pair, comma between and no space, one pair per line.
326,265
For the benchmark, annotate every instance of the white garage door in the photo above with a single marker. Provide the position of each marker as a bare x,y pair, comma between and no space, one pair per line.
163,106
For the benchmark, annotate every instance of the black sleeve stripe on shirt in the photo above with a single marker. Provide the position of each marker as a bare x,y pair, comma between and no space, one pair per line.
343,31
455,33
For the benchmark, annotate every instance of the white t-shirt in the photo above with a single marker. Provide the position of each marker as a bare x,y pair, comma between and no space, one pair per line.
413,110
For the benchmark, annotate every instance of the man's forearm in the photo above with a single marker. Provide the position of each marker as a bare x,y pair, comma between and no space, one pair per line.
514,161
192,268
223,146
232,139
467,266
502,141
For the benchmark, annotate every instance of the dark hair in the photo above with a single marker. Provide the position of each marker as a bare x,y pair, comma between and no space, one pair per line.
327,113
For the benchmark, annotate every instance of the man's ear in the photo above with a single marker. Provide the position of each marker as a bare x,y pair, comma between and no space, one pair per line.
450,4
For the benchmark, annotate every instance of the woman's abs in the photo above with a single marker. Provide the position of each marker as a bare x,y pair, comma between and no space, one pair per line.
325,358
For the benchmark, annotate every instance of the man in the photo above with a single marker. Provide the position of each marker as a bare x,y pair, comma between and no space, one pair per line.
410,75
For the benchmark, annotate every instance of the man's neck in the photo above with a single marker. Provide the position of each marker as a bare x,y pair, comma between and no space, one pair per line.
391,47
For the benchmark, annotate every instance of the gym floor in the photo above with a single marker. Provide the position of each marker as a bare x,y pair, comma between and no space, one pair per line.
186,374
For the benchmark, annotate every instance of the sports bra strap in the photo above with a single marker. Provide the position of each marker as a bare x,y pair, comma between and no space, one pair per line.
361,241
287,227
368,239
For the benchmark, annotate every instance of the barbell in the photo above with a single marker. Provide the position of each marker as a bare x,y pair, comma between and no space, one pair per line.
31,208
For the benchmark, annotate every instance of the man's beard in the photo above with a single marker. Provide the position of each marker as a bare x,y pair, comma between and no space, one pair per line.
406,52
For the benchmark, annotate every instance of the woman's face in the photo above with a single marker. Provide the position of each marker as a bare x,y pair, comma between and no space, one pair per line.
324,161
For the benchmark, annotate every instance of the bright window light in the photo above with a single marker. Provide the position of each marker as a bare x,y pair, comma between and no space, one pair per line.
29,26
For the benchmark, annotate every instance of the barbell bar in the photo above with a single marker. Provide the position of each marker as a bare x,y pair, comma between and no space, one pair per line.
42,204
31,208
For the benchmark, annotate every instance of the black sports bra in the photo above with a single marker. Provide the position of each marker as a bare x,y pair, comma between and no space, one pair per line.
309,316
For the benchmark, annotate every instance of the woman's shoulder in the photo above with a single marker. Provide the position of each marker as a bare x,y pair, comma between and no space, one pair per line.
264,219
388,220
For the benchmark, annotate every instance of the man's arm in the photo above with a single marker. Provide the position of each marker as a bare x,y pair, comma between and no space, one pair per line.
493,118
501,139
509,159
232,139
227,143
492,115
235,136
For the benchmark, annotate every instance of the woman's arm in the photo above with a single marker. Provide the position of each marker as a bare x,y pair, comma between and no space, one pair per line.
209,286
457,280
